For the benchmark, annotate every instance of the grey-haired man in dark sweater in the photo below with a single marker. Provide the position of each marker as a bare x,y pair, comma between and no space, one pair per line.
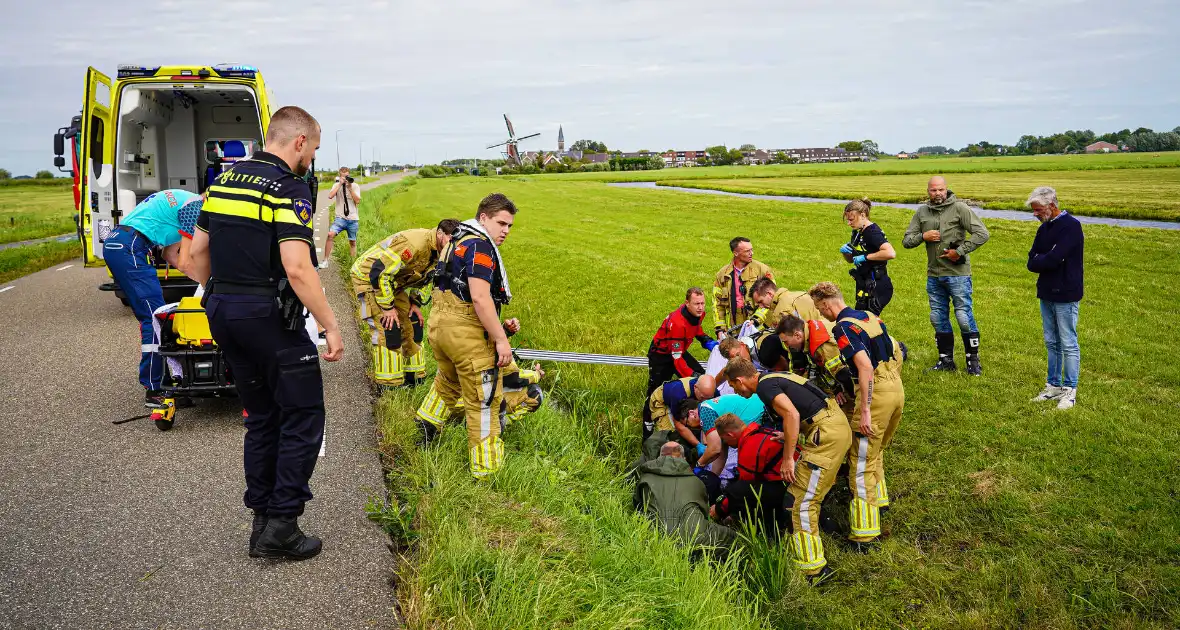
1056,255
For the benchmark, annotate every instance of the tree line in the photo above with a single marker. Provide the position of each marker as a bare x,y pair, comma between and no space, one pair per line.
1072,141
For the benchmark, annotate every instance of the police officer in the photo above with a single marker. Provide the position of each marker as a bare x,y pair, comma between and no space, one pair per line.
875,359
254,238
385,279
469,342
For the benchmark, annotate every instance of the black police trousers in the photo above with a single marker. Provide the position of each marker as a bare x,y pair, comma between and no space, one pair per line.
277,374
661,368
764,502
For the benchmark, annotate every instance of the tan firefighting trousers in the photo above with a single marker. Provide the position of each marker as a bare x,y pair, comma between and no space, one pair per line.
824,441
395,352
466,371
866,464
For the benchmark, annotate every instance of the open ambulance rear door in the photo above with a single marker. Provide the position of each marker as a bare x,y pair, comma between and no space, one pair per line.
96,175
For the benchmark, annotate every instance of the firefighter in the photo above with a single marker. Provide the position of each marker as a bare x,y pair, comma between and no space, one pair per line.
522,393
254,237
876,360
661,409
466,335
809,418
385,279
813,340
731,301
667,356
776,303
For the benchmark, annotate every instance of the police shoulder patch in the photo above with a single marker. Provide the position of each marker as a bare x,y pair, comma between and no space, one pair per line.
303,210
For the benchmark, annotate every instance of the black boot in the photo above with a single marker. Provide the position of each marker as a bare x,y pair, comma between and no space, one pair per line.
256,528
411,380
282,538
429,431
946,353
971,345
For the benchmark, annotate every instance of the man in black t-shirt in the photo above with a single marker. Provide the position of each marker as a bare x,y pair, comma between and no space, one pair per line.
869,252
814,423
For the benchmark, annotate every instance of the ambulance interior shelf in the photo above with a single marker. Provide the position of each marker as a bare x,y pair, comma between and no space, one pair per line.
164,134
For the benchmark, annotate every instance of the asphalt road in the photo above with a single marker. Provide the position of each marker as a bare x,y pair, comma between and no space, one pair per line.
124,526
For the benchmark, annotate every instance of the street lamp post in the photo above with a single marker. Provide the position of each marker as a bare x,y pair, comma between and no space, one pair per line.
338,164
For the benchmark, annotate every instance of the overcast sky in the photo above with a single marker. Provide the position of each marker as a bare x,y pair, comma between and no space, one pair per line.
429,80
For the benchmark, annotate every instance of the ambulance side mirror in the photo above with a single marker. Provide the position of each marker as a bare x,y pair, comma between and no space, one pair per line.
59,146
59,161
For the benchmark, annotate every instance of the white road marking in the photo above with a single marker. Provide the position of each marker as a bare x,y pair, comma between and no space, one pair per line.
7,288
64,268
323,443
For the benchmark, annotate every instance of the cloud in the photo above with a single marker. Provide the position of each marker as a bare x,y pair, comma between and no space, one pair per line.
432,79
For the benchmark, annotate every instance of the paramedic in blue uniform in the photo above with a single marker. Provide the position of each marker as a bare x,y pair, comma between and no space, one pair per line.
254,237
152,230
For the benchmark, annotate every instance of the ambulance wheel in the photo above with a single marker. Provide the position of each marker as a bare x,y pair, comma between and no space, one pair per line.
164,425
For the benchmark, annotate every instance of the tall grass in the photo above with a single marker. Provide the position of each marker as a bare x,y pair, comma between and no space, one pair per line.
1006,513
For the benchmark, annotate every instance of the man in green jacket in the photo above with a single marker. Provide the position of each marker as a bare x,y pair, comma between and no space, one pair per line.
950,231
670,493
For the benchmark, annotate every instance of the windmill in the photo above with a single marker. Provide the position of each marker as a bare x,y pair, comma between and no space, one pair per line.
511,151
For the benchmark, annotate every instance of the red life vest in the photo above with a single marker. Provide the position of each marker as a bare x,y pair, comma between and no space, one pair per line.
759,454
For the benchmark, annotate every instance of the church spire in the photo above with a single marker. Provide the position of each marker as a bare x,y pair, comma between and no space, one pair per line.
560,139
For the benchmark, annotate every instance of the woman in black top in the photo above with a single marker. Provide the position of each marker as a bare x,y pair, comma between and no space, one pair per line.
869,252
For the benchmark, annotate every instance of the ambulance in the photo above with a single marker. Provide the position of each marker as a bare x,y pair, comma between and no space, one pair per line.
154,128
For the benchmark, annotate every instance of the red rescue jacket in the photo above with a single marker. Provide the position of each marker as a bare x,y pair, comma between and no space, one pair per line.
759,454
675,336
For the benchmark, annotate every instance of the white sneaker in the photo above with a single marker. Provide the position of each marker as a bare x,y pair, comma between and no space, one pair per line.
1051,392
1068,398
324,265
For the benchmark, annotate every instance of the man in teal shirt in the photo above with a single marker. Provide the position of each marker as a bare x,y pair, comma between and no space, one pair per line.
153,229
715,457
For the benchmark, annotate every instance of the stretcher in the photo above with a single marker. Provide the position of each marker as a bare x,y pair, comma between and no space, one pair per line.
195,367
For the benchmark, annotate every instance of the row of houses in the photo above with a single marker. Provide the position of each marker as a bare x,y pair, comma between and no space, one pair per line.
687,158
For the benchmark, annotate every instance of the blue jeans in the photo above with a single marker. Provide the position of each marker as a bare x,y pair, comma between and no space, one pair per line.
945,290
1060,323
345,225
127,254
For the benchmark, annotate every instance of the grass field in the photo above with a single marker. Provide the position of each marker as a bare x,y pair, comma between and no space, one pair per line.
35,211
1006,513
1126,193
927,166
21,261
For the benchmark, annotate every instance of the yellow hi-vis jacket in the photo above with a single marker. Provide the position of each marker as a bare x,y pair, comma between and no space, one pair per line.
399,263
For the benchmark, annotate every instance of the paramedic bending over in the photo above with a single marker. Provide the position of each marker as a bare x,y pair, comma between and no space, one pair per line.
153,229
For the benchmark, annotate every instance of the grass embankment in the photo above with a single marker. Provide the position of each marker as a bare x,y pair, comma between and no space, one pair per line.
1006,513
21,261
926,166
1123,193
35,210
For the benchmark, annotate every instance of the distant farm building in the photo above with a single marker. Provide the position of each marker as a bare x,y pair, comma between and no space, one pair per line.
823,154
1101,147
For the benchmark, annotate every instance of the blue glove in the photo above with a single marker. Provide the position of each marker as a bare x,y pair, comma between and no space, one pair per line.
859,260
845,249
698,470
700,449
709,345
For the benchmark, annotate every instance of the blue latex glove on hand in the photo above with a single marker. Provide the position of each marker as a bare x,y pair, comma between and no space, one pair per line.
700,449
697,471
709,345
845,249
859,260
